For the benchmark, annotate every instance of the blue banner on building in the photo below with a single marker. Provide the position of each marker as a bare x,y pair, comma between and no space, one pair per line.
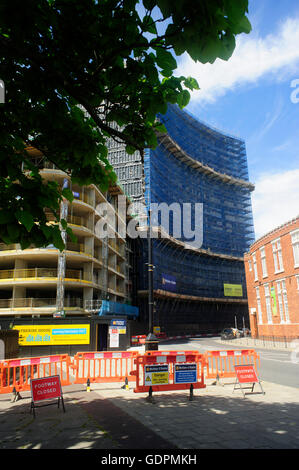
168,282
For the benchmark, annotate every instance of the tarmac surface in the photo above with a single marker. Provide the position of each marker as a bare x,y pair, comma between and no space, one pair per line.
110,417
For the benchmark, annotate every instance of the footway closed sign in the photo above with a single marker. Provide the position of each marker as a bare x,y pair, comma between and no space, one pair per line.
246,374
45,388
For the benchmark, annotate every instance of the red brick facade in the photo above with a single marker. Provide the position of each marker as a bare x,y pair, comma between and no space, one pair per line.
272,277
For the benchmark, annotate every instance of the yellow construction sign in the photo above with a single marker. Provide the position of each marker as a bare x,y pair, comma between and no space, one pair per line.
45,335
156,375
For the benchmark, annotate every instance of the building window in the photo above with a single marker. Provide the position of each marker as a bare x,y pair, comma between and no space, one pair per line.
254,267
283,301
259,306
295,243
268,303
250,265
277,256
263,259
297,278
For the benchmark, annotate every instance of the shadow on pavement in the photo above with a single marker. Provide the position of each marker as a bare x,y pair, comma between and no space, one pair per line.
215,419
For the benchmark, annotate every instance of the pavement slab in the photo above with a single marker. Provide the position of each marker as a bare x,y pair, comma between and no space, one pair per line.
112,418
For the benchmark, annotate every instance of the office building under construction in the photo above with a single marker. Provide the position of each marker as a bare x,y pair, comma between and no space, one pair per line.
65,301
199,176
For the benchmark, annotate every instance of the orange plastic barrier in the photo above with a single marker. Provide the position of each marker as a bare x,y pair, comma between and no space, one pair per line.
167,365
103,367
221,363
17,373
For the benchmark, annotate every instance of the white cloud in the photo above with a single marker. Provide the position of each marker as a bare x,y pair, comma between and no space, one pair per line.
275,200
254,57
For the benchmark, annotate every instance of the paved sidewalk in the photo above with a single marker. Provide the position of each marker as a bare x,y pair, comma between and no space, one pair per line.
110,417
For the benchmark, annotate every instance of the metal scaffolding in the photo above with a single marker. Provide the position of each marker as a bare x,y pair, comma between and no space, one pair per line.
194,163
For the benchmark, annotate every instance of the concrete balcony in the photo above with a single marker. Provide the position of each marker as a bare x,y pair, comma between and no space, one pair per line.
38,306
40,276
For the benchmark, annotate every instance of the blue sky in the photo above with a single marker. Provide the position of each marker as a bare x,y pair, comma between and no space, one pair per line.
250,96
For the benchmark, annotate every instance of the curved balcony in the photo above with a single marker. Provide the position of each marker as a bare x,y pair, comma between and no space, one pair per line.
44,306
84,200
78,222
118,248
45,252
79,248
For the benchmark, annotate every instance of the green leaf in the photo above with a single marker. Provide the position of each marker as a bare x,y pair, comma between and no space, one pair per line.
183,98
26,219
71,235
191,83
57,240
67,193
63,223
245,25
13,231
130,149
25,243
161,128
6,217
47,231
149,4
165,60
165,7
149,25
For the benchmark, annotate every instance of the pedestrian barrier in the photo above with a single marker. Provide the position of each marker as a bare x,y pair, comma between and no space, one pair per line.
103,367
15,374
169,370
220,364
152,371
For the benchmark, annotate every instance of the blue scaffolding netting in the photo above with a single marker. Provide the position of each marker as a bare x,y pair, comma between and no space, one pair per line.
199,280
219,186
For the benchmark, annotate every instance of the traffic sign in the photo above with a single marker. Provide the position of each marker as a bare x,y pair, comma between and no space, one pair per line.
246,374
46,388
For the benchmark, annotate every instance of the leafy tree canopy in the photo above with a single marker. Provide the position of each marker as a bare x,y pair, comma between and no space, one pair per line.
114,58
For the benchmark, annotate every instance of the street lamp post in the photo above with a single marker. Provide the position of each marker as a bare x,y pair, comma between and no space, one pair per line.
151,342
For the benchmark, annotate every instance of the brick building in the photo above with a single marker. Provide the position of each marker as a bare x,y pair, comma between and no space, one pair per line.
272,277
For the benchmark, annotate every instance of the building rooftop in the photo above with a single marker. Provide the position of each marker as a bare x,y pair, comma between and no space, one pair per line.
276,229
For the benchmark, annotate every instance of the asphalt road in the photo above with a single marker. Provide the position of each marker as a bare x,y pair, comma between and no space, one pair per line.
276,366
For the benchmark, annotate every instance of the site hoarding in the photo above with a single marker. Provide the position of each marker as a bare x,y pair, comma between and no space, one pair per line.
51,335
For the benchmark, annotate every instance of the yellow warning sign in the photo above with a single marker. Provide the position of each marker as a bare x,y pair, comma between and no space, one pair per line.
156,375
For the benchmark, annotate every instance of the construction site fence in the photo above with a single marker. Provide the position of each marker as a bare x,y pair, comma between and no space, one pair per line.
220,364
103,367
16,374
122,366
170,359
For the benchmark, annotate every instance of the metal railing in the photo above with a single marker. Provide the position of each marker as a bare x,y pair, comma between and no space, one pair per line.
84,198
120,248
33,302
79,248
4,247
71,219
35,273
92,305
281,342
